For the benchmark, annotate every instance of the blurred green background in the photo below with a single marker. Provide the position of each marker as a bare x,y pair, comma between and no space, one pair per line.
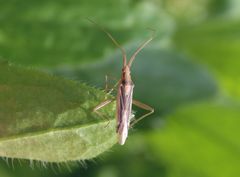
190,74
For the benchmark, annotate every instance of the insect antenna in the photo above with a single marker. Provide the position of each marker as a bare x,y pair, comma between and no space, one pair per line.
113,40
140,48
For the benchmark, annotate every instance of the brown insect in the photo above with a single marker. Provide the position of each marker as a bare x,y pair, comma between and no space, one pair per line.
125,93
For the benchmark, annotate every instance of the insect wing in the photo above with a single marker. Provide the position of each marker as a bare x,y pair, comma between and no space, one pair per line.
124,111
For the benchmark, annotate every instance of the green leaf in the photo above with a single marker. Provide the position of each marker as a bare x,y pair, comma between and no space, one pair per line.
216,44
47,118
200,140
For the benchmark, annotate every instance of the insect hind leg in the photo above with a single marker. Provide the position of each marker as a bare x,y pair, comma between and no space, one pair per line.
142,106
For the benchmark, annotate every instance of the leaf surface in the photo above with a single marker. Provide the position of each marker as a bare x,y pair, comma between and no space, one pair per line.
48,118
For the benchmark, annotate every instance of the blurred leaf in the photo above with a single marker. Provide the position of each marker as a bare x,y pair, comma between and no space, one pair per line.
55,33
4,173
215,44
233,9
192,11
22,168
47,118
200,140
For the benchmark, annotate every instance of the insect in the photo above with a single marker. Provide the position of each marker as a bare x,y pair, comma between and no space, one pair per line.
124,99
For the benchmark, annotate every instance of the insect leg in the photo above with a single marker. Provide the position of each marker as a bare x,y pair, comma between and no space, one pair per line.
107,90
100,106
107,79
142,106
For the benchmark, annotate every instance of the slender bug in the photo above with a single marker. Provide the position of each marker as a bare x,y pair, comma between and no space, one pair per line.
125,93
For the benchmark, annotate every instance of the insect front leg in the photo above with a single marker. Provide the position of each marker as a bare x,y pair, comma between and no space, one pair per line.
107,79
107,89
142,106
100,106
